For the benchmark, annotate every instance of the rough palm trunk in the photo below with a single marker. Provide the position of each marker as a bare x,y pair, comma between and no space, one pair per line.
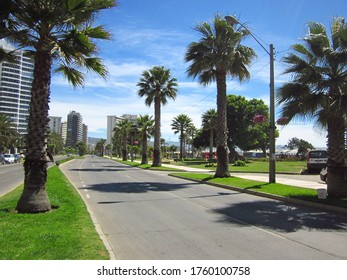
144,149
157,134
124,148
34,198
222,132
211,145
181,144
337,176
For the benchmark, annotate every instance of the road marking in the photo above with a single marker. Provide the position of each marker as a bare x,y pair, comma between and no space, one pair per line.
88,196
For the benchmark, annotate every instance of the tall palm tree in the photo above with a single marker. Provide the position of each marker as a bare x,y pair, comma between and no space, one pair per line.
209,121
53,30
8,134
123,128
146,128
318,92
181,124
157,86
217,54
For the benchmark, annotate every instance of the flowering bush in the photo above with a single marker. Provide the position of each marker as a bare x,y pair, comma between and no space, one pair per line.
259,119
282,121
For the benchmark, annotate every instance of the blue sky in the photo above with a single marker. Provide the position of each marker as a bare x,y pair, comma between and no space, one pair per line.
147,33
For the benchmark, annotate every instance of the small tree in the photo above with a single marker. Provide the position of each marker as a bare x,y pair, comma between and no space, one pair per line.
300,144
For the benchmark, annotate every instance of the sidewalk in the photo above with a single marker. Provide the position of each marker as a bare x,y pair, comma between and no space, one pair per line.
260,177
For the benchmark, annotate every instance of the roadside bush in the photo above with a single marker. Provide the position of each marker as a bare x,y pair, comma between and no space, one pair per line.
239,163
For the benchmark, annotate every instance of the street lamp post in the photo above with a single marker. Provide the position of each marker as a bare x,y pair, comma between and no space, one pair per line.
272,159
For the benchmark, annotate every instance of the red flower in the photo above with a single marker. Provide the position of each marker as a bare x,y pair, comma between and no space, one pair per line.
259,119
282,121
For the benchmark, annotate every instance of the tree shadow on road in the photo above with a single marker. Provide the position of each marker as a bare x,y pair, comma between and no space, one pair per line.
280,216
137,187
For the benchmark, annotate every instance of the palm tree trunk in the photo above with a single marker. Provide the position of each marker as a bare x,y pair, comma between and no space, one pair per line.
211,145
337,170
181,145
34,198
144,149
157,133
124,148
222,132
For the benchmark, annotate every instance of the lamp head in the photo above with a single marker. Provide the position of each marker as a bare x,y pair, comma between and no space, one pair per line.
231,20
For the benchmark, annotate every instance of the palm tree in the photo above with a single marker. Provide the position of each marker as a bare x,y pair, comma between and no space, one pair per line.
123,128
318,90
217,54
146,127
8,134
60,30
157,86
181,124
209,121
100,147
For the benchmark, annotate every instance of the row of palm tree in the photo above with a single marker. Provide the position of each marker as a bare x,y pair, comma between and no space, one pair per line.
183,125
142,127
63,31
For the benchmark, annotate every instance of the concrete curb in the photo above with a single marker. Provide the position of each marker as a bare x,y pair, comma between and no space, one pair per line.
98,228
325,207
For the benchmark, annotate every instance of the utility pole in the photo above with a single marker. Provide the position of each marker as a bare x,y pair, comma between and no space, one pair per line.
272,160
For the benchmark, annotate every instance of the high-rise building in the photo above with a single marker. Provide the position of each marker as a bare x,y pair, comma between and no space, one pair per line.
112,121
74,132
55,124
15,88
63,131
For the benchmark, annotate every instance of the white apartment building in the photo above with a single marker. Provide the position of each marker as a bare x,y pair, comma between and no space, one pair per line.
112,121
15,88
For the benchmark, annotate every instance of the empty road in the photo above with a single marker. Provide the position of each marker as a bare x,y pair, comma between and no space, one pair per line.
149,215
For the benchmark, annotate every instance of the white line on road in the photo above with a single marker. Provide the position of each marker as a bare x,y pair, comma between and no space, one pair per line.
88,196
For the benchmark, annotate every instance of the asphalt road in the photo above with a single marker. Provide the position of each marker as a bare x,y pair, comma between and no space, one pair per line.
149,215
12,175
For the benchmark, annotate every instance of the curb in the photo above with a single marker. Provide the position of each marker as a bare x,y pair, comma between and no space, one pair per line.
98,228
301,202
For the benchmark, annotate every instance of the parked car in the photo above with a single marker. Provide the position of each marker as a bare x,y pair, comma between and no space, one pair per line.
316,160
17,158
9,158
324,174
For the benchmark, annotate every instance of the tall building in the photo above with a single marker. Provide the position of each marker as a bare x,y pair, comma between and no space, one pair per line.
112,121
55,124
74,131
63,131
15,88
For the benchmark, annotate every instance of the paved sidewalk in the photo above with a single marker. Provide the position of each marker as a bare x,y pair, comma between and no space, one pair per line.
260,177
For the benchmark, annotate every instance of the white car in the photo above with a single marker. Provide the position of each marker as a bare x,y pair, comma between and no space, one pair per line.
9,158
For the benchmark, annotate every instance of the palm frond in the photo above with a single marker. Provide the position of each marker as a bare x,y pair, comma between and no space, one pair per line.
75,77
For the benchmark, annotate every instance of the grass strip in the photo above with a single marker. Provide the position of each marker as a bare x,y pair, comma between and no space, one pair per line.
65,233
251,167
277,189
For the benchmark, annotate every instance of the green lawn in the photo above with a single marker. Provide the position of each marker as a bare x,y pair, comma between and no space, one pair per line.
253,166
263,187
65,233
